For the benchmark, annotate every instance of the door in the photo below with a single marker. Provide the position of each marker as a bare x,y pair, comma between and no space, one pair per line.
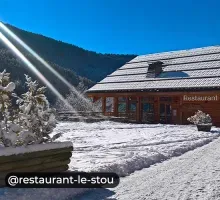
147,112
132,108
165,113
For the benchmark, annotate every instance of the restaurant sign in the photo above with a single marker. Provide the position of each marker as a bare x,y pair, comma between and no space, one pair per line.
200,98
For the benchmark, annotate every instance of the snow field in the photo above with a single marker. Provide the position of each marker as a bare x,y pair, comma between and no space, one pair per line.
116,147
125,148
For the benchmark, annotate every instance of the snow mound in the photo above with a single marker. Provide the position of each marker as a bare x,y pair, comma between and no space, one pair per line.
130,165
126,167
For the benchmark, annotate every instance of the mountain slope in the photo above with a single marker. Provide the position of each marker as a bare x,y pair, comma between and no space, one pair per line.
75,64
85,63
17,68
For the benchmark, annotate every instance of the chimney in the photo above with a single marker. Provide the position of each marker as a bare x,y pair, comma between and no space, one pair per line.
154,69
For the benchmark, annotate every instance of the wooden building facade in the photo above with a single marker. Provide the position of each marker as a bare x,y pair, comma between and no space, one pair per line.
163,88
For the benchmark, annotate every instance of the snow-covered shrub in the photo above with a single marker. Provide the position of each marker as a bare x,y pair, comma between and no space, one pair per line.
31,120
79,101
7,125
200,118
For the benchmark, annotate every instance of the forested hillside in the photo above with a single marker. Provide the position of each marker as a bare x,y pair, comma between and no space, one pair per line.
17,69
77,65
92,65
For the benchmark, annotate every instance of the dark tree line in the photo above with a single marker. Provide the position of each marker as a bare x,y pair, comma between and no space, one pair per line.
94,66
76,65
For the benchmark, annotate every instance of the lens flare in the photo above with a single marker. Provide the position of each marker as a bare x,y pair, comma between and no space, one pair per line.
33,68
31,51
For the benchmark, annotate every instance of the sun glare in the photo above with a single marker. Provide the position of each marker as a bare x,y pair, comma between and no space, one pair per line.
24,45
33,68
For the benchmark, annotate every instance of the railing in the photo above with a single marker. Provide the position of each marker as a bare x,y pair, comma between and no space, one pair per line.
80,113
147,117
123,114
90,117
131,116
109,114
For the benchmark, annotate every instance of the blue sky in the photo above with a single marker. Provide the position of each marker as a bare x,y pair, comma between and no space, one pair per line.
120,26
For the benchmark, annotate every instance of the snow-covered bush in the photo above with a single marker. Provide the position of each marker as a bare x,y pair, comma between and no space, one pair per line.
31,120
79,101
200,118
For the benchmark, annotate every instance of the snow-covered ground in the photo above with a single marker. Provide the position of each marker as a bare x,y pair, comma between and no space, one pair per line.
125,148
118,147
193,176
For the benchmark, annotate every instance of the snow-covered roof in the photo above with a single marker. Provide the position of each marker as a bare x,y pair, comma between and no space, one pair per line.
186,69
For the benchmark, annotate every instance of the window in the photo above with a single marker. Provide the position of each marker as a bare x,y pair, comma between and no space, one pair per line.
121,107
147,99
132,98
148,112
165,113
109,104
133,107
122,104
166,99
172,75
148,107
162,109
91,99
121,99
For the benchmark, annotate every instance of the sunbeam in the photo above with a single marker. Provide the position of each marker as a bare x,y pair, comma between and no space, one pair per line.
24,45
33,68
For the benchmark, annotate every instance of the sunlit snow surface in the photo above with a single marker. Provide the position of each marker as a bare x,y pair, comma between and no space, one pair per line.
118,147
124,148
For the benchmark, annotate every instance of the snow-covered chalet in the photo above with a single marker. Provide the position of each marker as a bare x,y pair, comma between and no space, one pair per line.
163,87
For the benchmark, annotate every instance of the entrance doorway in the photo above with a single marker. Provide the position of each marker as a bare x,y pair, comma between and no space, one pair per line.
132,108
165,110
165,113
147,112
147,109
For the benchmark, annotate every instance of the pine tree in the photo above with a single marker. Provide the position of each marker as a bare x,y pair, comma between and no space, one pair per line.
31,120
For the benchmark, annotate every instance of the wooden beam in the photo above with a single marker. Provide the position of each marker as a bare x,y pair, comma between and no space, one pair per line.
138,109
157,109
184,108
103,105
127,106
181,93
95,98
115,106
181,111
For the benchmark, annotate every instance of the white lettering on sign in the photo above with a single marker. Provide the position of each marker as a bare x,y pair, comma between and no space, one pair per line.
200,98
